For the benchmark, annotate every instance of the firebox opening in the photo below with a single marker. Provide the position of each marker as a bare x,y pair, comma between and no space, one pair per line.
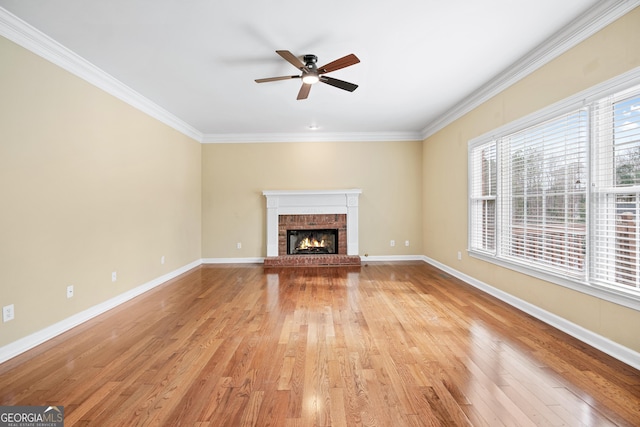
312,242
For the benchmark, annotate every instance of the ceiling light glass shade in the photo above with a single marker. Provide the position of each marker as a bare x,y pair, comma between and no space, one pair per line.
310,78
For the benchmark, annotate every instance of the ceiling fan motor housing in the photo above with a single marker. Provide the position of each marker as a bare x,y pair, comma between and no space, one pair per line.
310,61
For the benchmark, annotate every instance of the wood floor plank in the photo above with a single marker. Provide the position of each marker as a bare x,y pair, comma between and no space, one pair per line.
387,344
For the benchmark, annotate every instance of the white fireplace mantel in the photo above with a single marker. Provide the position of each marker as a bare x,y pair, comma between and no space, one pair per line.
308,202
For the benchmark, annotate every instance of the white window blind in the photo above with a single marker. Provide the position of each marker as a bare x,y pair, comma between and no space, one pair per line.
557,194
616,190
543,203
483,197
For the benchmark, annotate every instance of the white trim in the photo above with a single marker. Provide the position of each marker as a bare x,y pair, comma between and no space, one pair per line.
579,100
613,349
23,34
618,351
257,260
26,343
308,202
312,136
602,14
260,260
573,102
391,258
286,193
612,294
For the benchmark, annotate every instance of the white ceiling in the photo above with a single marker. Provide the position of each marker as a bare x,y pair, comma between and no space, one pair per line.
422,61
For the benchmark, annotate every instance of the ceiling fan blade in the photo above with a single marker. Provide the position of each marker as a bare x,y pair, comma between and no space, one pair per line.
291,58
343,62
304,91
338,83
275,79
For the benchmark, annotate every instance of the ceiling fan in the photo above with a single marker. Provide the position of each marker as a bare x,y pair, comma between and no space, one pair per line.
311,73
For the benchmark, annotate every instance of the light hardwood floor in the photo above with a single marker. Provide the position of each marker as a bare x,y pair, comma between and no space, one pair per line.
387,344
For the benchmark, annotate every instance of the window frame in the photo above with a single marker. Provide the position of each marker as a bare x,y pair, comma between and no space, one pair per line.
479,197
584,99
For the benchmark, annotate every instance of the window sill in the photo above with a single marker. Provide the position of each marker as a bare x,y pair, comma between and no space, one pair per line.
617,296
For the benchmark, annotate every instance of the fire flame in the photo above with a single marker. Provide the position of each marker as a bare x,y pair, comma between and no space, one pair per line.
307,243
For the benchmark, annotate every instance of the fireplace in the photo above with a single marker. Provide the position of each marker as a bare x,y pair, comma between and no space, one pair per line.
317,215
312,242
295,228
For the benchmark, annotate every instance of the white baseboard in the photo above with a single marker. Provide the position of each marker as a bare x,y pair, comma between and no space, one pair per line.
624,354
260,260
620,352
23,344
257,260
391,258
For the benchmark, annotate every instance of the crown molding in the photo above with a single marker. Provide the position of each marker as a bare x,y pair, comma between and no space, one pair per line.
596,18
23,34
586,25
311,136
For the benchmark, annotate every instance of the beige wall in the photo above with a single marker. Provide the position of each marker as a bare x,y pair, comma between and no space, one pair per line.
607,54
234,176
88,185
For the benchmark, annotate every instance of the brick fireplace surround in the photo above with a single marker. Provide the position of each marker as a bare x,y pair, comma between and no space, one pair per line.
319,209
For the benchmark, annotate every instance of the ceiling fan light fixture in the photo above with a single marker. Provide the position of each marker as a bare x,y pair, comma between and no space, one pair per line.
311,74
310,78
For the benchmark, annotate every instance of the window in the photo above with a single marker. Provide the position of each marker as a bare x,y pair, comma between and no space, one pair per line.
544,193
616,190
559,194
483,197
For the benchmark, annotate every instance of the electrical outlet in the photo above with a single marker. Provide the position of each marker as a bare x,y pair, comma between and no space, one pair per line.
8,313
162,259
70,291
406,243
239,245
114,276
392,243
459,256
